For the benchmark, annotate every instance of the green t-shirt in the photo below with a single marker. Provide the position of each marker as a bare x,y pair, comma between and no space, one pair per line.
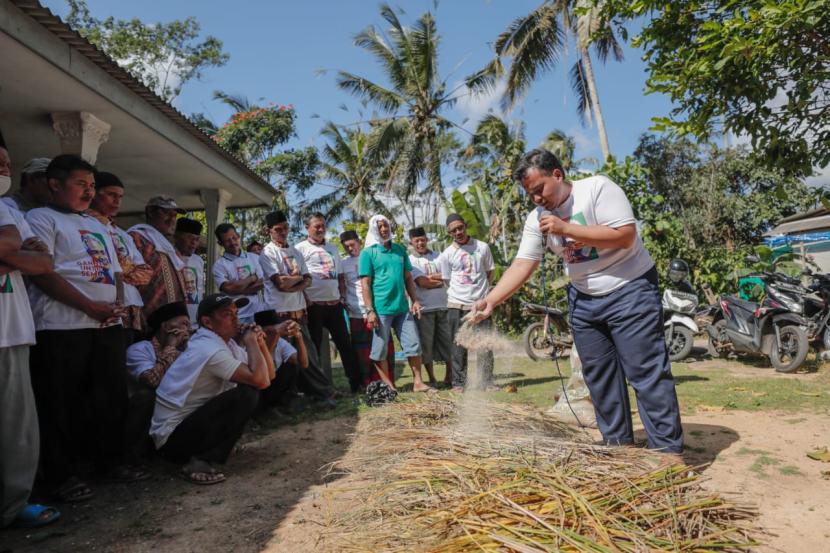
387,268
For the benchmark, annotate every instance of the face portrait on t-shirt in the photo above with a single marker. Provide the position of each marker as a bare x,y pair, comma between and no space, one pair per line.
99,267
467,268
291,265
243,272
573,251
120,246
191,280
326,269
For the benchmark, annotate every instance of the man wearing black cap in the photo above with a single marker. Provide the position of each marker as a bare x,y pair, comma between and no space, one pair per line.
288,359
433,326
186,240
212,389
153,241
147,361
467,266
286,277
109,191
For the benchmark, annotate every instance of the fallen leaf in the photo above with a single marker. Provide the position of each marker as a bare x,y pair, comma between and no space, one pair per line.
809,394
511,389
711,408
820,454
738,389
825,474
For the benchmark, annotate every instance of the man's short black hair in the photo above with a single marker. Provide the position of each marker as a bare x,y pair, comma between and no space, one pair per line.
539,159
62,166
312,216
222,229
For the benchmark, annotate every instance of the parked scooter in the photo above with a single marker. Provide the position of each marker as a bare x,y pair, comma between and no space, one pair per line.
774,328
551,336
679,308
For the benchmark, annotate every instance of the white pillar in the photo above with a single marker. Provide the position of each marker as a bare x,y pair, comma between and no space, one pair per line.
215,202
80,133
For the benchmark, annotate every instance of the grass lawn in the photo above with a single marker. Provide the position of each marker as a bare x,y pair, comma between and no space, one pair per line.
712,385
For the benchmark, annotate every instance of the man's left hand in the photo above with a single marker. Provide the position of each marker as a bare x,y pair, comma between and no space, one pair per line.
34,244
416,309
551,224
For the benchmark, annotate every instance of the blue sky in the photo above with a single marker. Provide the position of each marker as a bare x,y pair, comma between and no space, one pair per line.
276,48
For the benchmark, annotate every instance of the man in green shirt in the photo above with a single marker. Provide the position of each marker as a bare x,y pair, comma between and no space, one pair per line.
386,276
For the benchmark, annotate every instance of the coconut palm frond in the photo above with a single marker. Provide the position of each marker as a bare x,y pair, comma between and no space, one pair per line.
579,86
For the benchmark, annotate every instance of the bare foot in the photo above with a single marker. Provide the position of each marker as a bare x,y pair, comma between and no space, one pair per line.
421,387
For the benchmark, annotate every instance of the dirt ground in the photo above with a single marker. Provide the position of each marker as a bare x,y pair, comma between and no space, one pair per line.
276,500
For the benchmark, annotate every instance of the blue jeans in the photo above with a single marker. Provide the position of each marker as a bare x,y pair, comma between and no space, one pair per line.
619,337
405,329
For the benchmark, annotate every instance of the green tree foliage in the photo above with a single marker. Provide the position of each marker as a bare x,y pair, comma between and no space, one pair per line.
164,56
704,204
534,43
755,68
412,102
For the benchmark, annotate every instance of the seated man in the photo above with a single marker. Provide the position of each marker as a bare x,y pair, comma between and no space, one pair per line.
211,390
288,359
147,361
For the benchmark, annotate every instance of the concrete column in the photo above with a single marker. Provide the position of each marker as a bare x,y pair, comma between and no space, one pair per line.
80,133
215,202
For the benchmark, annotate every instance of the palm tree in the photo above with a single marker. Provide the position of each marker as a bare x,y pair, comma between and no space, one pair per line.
534,44
347,165
412,102
563,146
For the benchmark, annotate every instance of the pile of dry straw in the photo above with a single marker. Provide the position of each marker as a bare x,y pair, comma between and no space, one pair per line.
444,476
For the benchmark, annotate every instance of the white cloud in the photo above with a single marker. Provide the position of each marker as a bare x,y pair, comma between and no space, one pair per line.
473,107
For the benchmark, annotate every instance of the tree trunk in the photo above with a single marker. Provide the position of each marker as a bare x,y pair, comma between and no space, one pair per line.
595,107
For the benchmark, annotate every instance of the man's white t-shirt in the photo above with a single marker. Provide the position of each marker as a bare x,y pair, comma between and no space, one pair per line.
141,357
354,287
431,299
125,247
84,256
466,268
213,379
593,201
17,327
283,352
193,275
323,262
231,268
276,260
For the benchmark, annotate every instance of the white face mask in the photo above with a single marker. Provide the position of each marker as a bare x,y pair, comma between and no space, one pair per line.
5,184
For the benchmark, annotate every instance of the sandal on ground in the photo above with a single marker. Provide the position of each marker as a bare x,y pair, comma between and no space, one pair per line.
34,516
126,474
74,490
201,473
426,389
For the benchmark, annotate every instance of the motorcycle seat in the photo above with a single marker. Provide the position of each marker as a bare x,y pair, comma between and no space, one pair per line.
536,309
742,303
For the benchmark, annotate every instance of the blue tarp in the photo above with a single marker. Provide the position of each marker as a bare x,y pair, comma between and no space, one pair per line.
806,237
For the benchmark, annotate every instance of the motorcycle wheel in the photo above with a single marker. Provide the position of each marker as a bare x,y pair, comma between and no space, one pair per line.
720,326
537,346
788,354
679,343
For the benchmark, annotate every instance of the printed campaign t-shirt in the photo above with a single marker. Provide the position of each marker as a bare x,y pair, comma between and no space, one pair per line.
193,275
231,267
595,271
84,255
431,299
354,287
323,262
17,327
466,267
125,248
387,268
276,260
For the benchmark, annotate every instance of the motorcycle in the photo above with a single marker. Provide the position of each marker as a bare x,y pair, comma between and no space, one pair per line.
774,328
551,337
679,310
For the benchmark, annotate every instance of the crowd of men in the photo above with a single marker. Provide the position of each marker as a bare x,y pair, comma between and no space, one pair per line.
111,348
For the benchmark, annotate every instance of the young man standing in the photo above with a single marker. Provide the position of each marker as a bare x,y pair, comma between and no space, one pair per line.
109,191
186,241
34,190
386,275
20,253
78,362
210,391
327,295
614,299
433,326
467,266
238,273
153,241
287,277
361,332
